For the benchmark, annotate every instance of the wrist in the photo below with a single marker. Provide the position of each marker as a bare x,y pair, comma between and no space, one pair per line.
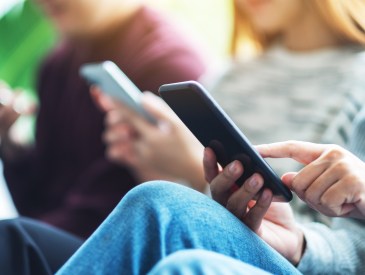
300,248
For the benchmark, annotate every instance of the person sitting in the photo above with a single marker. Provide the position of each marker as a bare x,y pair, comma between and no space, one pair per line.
65,178
166,227
309,64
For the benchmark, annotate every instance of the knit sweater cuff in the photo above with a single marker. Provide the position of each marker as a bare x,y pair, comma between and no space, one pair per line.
324,253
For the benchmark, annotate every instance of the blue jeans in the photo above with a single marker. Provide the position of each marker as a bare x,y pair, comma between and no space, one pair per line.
197,261
157,219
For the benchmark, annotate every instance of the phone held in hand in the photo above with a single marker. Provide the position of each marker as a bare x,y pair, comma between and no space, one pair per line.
213,128
113,82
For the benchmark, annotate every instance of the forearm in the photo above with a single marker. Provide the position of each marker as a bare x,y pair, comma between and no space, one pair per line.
336,250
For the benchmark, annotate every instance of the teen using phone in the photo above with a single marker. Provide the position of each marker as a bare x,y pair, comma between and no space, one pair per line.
262,233
266,106
206,236
65,178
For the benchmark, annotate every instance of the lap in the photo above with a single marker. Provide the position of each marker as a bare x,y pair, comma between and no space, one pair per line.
196,261
157,219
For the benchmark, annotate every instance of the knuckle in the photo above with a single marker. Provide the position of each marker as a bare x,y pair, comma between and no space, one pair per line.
262,205
217,188
324,201
334,152
350,179
226,175
233,207
247,188
327,201
298,185
308,197
341,165
292,146
251,186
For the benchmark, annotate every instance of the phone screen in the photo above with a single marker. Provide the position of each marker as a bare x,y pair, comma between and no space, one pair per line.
214,129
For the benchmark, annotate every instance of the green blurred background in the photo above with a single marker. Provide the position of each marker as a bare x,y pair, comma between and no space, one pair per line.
25,35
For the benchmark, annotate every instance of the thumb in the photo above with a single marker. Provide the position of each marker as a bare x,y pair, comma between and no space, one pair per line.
288,178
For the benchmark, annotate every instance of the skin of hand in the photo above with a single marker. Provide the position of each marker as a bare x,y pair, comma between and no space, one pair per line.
332,181
13,104
165,151
273,222
8,115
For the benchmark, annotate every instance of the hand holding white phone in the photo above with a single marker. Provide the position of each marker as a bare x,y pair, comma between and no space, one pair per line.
113,82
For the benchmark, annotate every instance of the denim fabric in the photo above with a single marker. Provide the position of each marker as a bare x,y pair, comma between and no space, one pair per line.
157,219
202,262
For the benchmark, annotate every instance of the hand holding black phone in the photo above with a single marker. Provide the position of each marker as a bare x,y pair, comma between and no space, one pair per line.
214,129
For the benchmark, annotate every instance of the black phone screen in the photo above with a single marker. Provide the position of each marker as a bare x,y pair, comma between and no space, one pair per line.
214,129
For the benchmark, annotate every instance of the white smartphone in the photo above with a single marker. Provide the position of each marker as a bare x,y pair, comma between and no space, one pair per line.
113,82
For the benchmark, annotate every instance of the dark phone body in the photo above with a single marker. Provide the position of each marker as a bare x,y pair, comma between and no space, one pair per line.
214,129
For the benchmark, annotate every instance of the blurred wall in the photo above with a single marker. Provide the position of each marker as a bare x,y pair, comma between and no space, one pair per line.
26,35
210,19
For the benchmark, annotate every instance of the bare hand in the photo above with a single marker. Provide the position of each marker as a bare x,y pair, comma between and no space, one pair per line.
273,222
11,107
332,182
164,151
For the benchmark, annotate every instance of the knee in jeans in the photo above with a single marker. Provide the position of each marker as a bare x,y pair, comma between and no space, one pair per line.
155,191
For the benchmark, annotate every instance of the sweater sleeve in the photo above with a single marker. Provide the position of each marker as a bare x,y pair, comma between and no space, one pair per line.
357,143
339,249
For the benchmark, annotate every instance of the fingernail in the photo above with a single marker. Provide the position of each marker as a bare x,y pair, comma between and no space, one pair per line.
253,182
232,168
265,195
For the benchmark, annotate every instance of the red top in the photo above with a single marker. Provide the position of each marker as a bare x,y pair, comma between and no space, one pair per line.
66,180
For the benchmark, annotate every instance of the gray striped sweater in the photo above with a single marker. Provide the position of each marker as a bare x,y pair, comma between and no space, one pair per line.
339,248
312,97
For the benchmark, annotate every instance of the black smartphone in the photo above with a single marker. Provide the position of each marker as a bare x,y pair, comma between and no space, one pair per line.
213,128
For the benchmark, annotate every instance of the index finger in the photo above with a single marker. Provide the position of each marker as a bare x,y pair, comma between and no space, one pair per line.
303,152
103,101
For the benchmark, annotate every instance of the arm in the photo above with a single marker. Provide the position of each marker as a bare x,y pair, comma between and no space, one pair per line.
338,249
